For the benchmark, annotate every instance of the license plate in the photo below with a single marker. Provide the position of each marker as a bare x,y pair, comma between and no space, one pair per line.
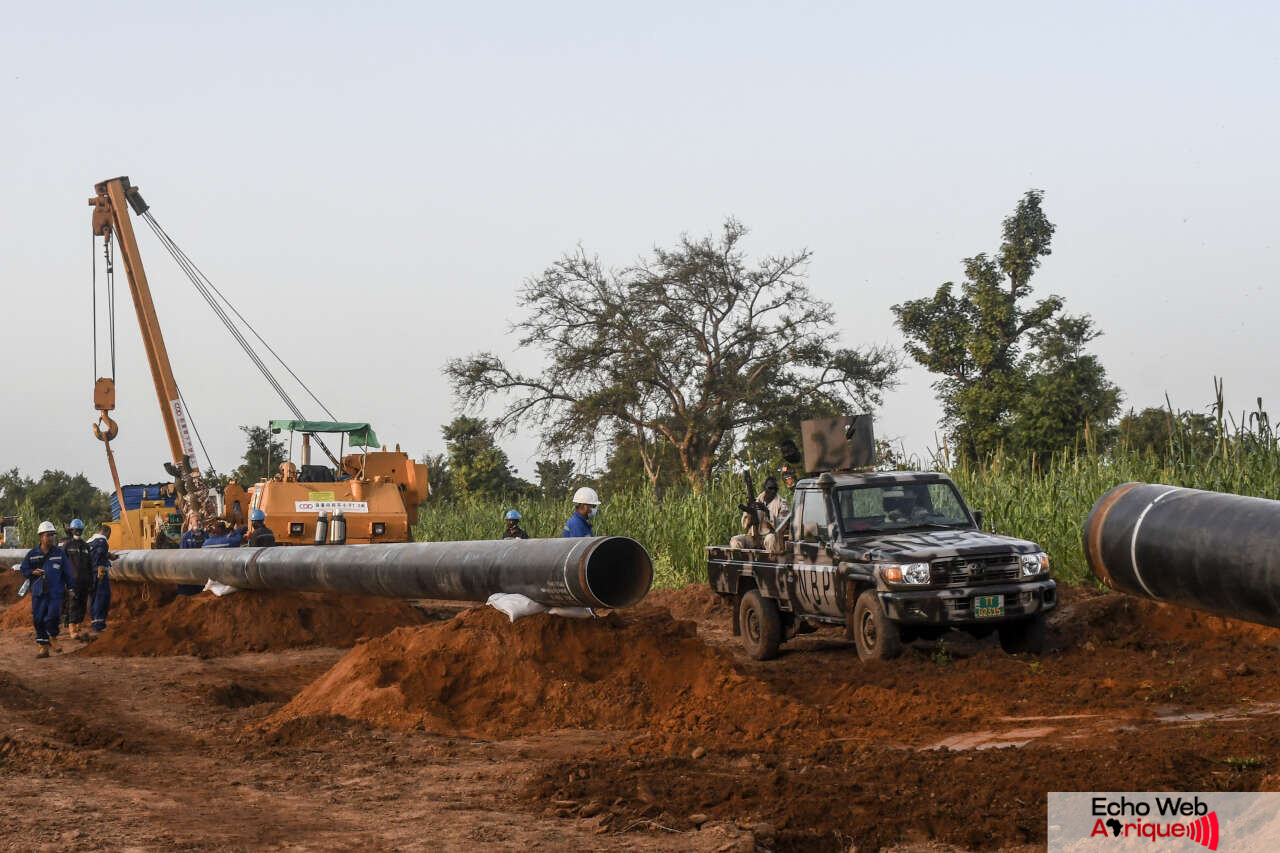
988,606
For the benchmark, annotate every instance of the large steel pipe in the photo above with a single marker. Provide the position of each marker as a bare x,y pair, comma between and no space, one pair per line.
1204,550
601,571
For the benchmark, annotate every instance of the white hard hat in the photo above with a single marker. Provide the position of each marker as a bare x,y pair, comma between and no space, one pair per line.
586,495
46,527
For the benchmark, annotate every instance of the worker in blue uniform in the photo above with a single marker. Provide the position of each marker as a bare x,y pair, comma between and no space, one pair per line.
193,538
47,569
585,504
100,592
224,538
76,602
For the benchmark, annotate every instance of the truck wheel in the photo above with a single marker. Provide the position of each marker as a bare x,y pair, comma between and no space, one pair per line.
876,636
1025,635
761,625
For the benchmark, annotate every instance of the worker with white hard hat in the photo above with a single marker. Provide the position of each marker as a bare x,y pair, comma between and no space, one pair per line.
47,568
585,504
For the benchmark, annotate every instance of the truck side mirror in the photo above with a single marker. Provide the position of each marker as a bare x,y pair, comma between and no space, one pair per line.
977,518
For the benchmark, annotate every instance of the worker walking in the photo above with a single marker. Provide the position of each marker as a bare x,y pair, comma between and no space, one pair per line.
585,505
46,567
100,592
80,564
514,530
260,536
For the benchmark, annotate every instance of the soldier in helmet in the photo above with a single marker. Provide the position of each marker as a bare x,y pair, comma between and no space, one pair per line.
514,530
46,567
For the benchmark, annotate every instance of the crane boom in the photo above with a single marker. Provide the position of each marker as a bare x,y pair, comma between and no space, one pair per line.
110,214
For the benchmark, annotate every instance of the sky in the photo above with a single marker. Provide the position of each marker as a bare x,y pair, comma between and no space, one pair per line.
371,184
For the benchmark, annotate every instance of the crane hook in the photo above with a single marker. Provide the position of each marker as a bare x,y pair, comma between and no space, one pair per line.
108,434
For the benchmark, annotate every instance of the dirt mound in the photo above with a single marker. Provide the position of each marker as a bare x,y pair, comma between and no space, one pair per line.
1107,617
127,600
483,675
9,583
205,625
695,601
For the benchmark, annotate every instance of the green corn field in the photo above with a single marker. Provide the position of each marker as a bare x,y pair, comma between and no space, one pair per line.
1045,501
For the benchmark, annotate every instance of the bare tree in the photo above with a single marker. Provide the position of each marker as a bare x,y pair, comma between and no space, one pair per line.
686,347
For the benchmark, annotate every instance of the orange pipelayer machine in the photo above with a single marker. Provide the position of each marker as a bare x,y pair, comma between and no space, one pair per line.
377,492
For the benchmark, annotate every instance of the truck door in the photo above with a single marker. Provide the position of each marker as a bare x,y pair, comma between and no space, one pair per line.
816,578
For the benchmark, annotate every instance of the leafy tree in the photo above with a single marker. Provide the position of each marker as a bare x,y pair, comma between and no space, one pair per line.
479,468
57,496
1010,368
1165,434
263,454
439,478
686,347
556,478
631,461
1067,390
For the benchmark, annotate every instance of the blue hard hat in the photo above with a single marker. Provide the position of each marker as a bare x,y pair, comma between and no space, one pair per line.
513,516
76,524
257,515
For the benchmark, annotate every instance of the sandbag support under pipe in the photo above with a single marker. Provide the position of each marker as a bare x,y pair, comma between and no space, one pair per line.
600,571
1204,550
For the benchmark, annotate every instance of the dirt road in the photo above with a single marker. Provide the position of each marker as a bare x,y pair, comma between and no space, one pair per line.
622,733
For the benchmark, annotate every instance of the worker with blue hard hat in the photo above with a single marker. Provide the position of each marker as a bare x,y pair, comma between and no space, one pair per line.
260,536
100,593
514,530
79,581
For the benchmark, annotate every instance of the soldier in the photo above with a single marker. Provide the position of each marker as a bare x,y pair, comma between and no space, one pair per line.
514,530
770,507
100,593
80,564
46,567
776,541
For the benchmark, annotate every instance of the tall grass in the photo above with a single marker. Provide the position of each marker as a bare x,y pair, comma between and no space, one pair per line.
1045,501
675,529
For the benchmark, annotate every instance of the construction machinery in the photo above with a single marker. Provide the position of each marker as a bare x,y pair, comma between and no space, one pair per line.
366,496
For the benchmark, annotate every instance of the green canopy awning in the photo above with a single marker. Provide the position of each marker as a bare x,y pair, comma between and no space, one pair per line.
358,434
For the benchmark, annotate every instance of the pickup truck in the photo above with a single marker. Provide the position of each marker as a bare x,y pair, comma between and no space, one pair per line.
892,557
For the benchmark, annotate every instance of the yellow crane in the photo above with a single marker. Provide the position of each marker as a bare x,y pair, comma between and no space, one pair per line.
376,492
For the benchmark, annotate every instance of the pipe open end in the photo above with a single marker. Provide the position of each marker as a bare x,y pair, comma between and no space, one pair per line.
618,572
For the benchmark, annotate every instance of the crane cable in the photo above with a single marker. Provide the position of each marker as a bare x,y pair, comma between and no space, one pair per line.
111,302
212,295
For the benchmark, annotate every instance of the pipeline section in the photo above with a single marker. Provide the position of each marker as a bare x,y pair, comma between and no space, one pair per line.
1204,550
600,571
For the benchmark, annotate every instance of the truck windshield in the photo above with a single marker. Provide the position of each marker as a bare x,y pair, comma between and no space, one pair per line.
899,506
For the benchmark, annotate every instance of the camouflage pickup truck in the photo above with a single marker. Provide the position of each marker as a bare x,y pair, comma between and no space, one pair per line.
891,556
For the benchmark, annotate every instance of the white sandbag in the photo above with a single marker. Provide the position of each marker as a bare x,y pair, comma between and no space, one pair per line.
220,589
515,606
